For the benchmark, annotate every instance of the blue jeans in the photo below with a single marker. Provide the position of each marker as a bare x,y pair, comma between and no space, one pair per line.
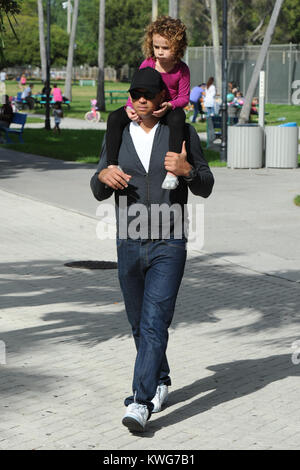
210,111
150,273
197,109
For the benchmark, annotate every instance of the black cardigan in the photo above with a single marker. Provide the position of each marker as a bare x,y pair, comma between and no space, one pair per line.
145,188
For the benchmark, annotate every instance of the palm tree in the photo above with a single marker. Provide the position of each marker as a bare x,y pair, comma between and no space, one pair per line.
101,50
68,82
245,112
42,40
173,8
8,9
216,44
154,10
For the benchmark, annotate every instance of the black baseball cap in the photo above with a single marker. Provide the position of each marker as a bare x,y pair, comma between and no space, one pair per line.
149,79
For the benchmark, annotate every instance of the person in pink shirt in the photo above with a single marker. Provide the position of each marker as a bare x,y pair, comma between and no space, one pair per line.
23,80
164,46
57,94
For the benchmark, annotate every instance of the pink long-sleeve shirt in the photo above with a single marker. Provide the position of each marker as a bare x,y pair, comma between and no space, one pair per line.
177,83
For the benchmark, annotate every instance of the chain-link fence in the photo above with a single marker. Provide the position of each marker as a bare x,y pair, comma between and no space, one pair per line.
282,67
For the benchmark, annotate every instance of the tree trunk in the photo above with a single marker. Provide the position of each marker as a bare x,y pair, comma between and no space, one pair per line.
245,112
216,44
42,40
101,54
173,8
154,10
68,82
69,13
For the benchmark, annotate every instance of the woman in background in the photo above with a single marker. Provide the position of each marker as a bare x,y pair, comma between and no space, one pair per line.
209,100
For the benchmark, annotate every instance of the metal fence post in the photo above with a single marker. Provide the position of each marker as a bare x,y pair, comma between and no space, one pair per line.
223,154
47,116
204,66
290,75
267,80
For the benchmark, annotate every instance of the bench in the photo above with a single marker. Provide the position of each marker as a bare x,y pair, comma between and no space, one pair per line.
42,100
19,119
87,82
111,95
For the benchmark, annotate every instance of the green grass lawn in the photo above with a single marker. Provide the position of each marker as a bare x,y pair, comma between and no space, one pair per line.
34,120
297,200
70,145
277,111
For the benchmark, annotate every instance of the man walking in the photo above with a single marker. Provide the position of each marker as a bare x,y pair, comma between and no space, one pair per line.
151,264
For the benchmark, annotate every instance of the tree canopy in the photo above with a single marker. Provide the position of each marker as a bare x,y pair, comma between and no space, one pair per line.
247,21
27,51
125,23
8,8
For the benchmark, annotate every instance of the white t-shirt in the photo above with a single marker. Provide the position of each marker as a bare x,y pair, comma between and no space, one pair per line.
143,142
26,93
209,100
2,76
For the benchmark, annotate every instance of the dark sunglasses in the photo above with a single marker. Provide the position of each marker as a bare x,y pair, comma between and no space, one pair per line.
136,95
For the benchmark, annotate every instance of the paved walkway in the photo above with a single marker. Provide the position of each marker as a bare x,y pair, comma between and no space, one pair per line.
69,352
68,123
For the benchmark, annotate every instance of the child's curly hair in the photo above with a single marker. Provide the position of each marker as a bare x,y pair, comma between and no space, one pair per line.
170,28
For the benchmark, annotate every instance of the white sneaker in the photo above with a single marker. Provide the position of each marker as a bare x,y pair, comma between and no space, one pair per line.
160,398
136,416
170,182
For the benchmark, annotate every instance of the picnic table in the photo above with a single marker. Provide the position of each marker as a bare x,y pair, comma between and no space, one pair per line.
116,95
41,100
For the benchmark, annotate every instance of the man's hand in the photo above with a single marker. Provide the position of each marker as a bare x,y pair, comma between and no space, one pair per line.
132,114
177,163
164,107
114,177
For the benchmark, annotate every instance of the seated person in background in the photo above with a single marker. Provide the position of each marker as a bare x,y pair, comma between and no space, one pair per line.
6,112
27,96
232,106
254,105
57,94
239,99
44,90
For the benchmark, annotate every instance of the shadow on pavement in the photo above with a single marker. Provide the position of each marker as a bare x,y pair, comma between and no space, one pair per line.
210,291
12,163
230,381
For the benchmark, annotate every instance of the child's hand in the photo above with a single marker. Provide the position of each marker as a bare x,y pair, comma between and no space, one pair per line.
132,114
164,108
